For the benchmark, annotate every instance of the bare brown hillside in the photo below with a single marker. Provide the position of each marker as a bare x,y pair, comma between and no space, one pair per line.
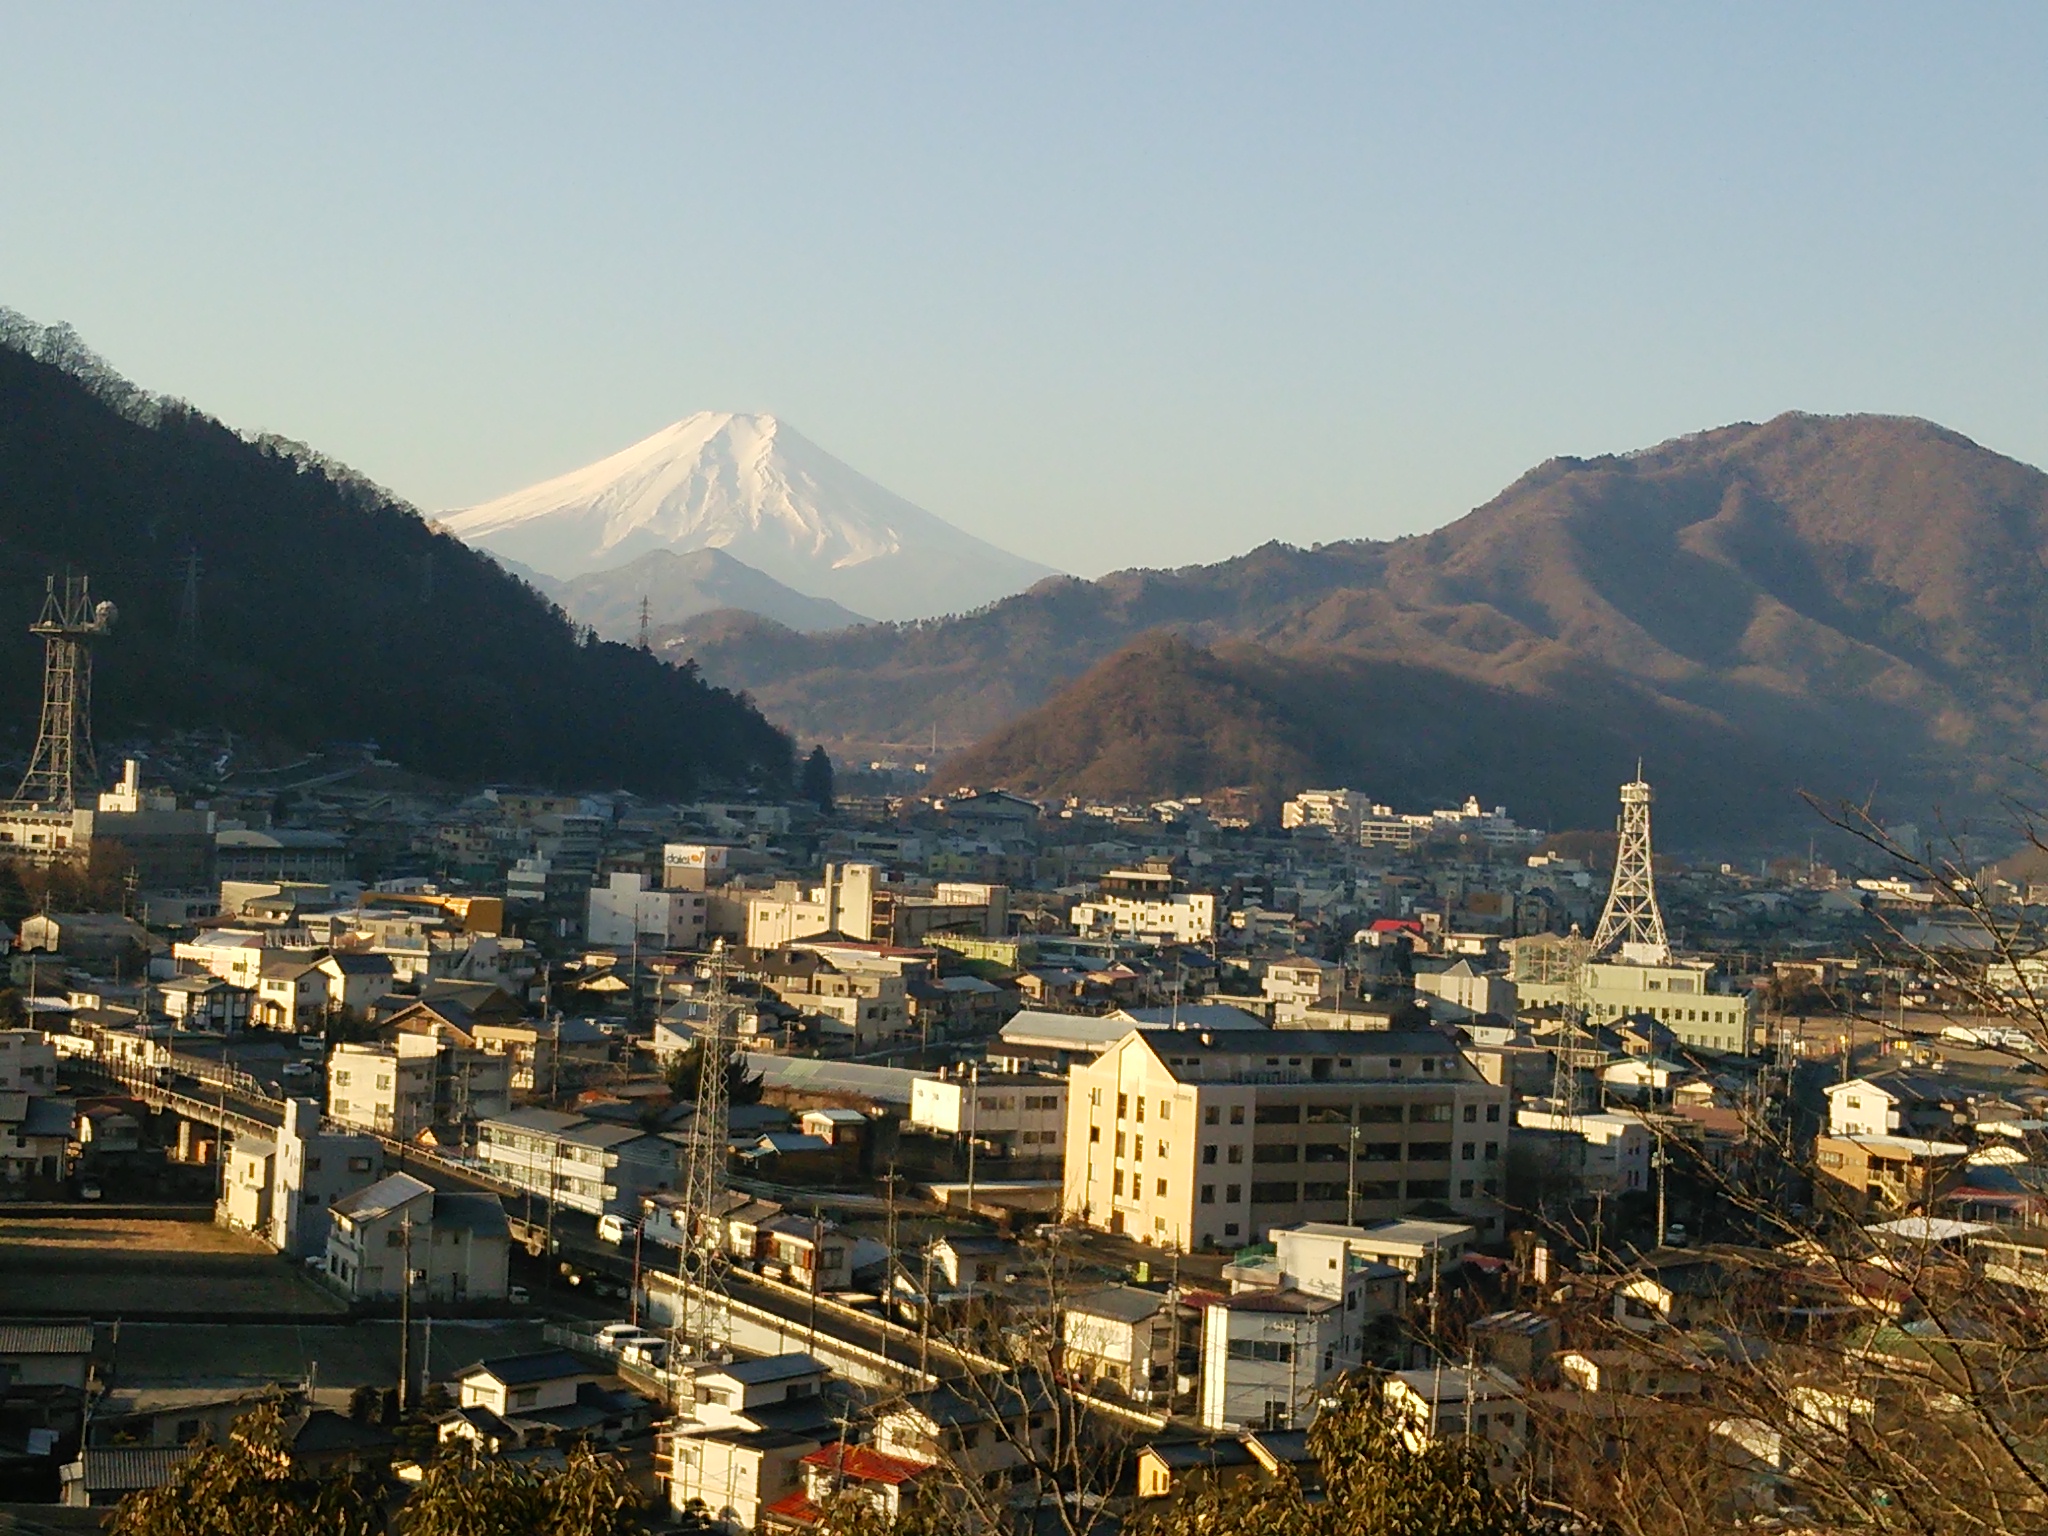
1850,599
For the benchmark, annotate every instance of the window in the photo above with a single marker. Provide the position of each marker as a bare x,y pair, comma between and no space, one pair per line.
1329,1114
1119,1143
1236,1154
1209,1115
1429,1114
1464,1189
1325,1152
1163,1151
1165,1110
1237,1114
1284,1154
1279,1193
1141,1109
1322,1191
355,1164
1380,1152
1116,1182
1123,1105
1471,1113
1493,1114
1232,1193
1095,1133
1429,1189
1278,1114
1469,1151
1161,1190
1274,1351
1379,1114
1209,1153
1429,1151
1208,1194
525,1397
1493,1151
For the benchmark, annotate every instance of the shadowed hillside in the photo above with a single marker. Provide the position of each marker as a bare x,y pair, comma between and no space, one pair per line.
326,610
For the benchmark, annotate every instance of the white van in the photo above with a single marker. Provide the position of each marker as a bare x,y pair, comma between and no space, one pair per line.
612,1335
612,1229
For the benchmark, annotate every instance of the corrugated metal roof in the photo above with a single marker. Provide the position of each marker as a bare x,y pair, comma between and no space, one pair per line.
125,1468
45,1338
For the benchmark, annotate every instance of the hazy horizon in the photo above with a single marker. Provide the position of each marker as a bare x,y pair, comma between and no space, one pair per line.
1147,287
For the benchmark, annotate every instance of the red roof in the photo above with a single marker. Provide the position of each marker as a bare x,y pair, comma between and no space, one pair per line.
794,1506
1395,925
865,1464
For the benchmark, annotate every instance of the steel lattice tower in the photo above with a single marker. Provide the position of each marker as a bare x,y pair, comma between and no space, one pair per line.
702,1328
69,623
1631,922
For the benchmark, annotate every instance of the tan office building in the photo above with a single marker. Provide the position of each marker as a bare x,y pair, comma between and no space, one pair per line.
1208,1139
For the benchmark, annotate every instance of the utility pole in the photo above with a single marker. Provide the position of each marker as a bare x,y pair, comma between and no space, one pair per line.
973,1122
1662,1163
405,1314
1351,1182
817,1263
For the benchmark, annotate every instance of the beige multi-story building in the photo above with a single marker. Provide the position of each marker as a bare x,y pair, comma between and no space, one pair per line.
1684,995
1142,904
1209,1138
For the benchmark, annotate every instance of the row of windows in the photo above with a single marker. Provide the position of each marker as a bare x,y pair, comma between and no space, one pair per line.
1288,1193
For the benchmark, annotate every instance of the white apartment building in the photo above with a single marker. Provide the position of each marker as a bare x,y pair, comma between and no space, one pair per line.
1202,1138
596,1166
314,1167
1469,990
843,903
388,1089
1297,984
1014,1114
1338,810
1289,1327
625,912
1142,904
1461,1402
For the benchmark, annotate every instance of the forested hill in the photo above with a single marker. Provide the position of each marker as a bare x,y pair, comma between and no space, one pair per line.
326,609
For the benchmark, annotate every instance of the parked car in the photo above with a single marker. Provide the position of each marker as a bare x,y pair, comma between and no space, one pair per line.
612,1335
644,1349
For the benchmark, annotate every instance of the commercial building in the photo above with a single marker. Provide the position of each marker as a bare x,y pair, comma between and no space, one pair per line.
1203,1138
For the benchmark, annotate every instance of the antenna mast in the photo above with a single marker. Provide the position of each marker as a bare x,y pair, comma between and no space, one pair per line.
69,623
1631,922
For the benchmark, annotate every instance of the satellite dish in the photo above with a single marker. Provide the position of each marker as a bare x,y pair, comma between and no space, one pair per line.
103,616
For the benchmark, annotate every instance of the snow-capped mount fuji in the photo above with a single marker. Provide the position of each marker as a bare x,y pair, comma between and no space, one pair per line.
769,498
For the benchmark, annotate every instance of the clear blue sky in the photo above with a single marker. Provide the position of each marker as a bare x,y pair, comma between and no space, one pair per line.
1107,284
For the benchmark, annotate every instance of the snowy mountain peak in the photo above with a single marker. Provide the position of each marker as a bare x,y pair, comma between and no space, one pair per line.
767,496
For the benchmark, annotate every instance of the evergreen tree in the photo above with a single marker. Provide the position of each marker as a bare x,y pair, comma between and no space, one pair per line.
816,783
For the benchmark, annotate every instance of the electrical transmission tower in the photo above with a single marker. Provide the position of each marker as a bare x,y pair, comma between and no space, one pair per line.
69,624
646,626
702,1328
1630,922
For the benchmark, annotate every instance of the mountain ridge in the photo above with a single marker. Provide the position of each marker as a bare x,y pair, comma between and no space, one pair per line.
755,487
677,586
1866,596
